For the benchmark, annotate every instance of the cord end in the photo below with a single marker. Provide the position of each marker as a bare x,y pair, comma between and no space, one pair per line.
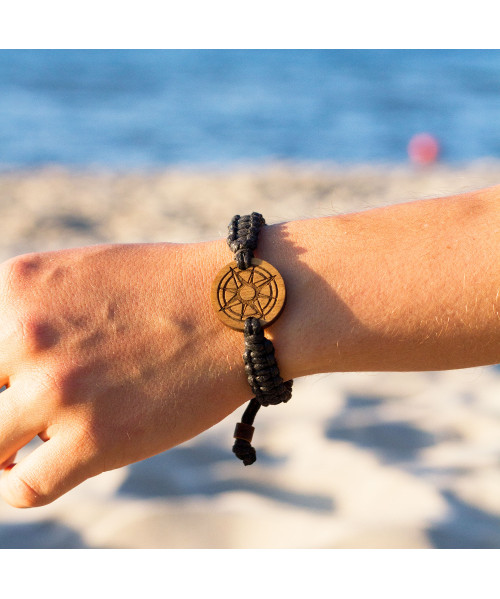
244,451
242,447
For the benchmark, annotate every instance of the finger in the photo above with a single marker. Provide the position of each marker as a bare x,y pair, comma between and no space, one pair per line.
10,460
47,473
19,422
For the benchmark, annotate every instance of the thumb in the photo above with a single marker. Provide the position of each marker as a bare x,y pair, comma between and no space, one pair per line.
45,474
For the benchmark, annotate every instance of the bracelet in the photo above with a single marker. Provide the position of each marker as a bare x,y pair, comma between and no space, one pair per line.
249,294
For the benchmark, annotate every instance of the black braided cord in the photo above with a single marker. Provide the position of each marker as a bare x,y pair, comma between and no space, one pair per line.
260,363
243,233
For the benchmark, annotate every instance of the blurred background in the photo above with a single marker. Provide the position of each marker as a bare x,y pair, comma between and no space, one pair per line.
147,109
130,146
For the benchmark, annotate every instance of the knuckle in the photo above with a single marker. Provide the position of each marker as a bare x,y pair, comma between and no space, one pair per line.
26,316
18,272
37,334
22,494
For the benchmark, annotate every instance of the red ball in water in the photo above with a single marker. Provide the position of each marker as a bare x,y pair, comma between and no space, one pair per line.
423,148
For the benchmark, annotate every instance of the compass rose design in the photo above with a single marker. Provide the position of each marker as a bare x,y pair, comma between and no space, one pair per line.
258,291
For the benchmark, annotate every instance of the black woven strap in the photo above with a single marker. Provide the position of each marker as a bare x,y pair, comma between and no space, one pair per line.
260,363
243,234
262,370
265,380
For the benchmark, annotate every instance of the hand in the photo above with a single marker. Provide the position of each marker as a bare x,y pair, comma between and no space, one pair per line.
111,354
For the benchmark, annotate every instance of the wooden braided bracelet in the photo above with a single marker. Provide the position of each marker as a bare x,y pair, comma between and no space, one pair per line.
248,295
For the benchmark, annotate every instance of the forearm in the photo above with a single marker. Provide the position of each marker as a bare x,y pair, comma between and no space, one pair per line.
409,287
112,354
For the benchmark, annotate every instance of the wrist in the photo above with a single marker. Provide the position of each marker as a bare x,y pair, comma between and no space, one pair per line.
314,321
306,333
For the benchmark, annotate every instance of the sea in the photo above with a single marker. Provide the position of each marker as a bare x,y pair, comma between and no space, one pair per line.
150,109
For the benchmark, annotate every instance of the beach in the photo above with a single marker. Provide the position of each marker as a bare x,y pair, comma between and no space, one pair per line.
354,460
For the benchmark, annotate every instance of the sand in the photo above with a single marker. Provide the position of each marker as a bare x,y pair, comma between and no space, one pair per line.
363,460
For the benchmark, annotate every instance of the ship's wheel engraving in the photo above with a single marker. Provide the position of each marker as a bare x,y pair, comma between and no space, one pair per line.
258,291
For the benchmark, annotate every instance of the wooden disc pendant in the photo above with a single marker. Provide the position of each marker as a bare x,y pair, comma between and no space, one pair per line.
258,291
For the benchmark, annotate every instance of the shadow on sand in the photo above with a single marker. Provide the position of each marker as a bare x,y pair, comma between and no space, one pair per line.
393,442
466,527
40,535
191,471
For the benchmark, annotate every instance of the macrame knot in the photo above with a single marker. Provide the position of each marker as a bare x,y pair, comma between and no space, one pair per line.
261,367
243,234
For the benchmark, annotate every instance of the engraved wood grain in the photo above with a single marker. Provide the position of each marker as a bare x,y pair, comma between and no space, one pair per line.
258,291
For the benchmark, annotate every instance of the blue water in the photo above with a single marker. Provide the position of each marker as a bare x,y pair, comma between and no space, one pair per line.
148,109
